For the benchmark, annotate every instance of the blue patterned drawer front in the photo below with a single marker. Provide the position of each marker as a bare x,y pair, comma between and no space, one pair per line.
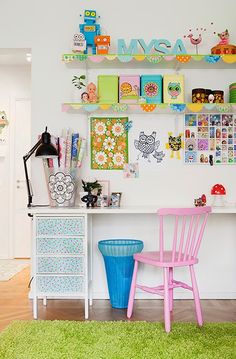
60,245
60,285
59,226
66,265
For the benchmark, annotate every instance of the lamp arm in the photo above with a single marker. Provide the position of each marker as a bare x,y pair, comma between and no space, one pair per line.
25,159
33,149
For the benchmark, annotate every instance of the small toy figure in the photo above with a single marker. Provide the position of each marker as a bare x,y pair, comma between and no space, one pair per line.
224,38
196,41
90,29
85,97
174,144
223,46
211,98
102,43
79,43
91,88
201,201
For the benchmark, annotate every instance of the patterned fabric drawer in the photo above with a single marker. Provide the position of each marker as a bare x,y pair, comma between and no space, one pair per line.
60,284
64,265
60,245
59,226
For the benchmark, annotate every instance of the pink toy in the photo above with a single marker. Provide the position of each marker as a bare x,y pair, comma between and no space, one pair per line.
189,225
195,41
91,89
224,38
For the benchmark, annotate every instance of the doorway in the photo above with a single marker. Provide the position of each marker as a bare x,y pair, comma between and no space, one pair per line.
15,92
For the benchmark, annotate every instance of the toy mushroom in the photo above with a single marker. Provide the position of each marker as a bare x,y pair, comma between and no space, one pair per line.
218,193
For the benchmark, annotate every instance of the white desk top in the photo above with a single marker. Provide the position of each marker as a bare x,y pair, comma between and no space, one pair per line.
110,210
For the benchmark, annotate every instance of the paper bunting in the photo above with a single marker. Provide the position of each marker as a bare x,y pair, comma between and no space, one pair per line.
148,107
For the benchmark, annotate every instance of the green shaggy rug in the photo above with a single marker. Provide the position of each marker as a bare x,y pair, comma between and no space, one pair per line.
116,340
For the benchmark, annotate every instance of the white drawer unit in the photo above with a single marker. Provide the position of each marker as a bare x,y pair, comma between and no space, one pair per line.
59,258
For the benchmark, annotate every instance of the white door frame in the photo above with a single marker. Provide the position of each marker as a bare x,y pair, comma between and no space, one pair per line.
12,179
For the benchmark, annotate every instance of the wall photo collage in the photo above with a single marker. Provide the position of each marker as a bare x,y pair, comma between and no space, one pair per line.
210,138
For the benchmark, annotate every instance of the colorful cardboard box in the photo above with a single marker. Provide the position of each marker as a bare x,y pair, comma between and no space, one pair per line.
129,88
108,89
173,88
151,88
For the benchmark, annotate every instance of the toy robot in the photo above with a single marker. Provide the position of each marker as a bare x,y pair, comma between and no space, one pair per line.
79,43
90,29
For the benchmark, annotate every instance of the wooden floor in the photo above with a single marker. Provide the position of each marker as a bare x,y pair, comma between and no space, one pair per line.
15,305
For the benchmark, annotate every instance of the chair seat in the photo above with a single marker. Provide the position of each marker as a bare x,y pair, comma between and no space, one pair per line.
153,258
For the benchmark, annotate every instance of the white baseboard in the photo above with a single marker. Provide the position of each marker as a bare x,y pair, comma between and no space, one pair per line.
177,295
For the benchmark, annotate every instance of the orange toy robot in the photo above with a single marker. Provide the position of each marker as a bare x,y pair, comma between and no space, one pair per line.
102,44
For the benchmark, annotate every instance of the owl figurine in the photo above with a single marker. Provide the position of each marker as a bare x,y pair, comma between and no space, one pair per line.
146,144
79,43
174,144
3,120
174,89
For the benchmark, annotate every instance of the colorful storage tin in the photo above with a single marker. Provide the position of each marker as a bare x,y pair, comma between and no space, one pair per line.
173,88
232,93
151,88
129,88
108,89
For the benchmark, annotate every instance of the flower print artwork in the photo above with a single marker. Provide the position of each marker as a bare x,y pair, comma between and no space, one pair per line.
109,143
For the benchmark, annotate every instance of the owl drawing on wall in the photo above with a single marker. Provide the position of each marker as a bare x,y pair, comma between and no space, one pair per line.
147,145
174,89
175,144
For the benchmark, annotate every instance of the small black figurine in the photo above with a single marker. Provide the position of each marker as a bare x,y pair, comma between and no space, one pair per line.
91,199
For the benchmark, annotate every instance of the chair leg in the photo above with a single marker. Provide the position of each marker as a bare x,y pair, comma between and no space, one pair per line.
166,301
171,290
132,290
196,297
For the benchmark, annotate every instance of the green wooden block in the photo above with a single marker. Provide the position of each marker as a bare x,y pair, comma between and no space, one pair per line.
108,89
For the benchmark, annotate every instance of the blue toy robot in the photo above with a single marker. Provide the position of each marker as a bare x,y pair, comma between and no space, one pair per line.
90,29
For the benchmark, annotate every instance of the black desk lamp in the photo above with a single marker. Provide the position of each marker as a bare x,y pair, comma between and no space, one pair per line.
44,149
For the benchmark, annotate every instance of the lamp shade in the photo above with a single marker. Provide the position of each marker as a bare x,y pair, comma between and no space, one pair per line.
218,189
46,149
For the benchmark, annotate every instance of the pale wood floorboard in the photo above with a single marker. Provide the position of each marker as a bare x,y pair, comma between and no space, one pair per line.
15,305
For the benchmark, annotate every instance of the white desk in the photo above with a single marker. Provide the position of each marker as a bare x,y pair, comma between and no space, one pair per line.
88,214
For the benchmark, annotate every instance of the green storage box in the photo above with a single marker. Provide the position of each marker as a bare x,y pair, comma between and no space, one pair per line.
108,89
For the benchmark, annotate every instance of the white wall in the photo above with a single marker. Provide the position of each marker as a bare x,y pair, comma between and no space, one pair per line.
15,83
47,28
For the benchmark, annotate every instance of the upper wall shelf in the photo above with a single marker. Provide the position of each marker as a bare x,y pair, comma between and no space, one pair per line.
163,108
156,60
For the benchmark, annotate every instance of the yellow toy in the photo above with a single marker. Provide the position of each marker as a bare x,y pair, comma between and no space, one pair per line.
174,144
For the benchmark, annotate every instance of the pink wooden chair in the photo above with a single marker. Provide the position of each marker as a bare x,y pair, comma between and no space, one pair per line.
189,225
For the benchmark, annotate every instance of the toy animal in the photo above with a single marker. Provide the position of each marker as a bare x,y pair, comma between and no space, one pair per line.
224,38
201,201
195,41
91,90
90,29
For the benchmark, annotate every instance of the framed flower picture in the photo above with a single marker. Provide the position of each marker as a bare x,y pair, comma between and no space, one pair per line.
109,143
